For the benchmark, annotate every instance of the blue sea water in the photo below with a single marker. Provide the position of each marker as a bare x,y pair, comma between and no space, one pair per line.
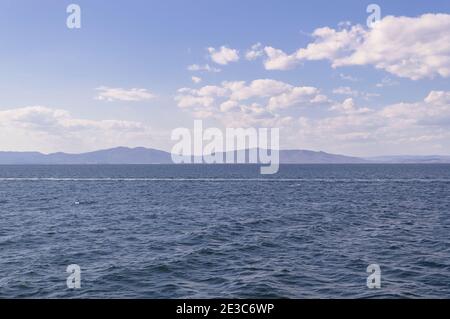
165,231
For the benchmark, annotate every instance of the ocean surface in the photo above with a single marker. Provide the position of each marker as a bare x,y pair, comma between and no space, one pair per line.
162,231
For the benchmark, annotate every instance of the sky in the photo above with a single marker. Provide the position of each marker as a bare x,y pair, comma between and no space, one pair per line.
136,70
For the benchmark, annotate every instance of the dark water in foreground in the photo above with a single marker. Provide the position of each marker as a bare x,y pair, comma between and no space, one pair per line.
222,231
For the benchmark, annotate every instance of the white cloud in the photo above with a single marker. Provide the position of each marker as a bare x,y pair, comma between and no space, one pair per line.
434,110
346,90
212,90
257,88
46,119
119,94
258,101
254,52
295,96
418,48
328,45
386,81
349,107
223,55
320,99
438,98
348,77
204,68
196,79
278,60
331,44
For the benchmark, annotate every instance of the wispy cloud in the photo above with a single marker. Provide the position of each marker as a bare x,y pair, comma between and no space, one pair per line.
347,77
254,52
196,79
346,90
385,82
119,94
204,68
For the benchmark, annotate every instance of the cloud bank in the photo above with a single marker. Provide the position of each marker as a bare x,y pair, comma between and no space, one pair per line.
408,47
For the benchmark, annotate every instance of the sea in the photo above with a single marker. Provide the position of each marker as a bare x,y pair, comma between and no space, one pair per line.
225,231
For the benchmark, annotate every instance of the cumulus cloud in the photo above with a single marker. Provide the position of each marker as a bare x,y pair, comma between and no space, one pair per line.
332,44
278,60
349,107
419,47
295,96
409,47
118,94
239,90
259,100
223,55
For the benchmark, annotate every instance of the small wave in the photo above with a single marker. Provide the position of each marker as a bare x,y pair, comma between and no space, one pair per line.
275,180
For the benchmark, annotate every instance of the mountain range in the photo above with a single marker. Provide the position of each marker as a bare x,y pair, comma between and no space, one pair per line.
141,155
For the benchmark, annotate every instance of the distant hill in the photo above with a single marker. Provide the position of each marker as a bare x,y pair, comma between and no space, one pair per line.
311,157
119,155
141,155
432,159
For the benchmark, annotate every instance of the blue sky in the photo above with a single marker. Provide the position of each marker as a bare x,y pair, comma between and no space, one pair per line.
364,104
